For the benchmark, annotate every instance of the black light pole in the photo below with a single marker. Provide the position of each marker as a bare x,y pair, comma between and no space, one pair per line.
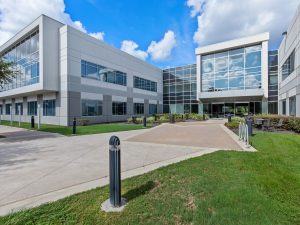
32,122
74,125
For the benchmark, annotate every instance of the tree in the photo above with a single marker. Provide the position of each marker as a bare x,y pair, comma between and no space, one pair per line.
6,72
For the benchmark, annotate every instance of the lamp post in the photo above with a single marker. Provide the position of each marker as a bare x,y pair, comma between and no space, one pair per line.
19,110
39,116
11,116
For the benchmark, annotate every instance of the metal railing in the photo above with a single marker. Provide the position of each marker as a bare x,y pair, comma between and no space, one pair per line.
243,133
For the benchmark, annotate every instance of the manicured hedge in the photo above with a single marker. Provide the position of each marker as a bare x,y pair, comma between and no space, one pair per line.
164,118
289,122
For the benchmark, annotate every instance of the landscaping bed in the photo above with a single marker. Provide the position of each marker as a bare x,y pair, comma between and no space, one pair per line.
165,118
289,123
225,187
80,130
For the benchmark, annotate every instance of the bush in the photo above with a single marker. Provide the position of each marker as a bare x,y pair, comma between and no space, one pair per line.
83,122
289,122
195,116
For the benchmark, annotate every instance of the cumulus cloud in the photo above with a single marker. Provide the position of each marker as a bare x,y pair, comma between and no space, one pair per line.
132,48
220,20
15,14
162,50
196,6
98,35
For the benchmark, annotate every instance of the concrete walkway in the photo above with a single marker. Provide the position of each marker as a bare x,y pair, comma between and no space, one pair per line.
36,171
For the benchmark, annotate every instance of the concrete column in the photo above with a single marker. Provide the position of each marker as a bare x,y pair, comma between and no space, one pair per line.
13,109
160,108
25,110
200,108
129,106
74,106
298,105
264,106
146,107
107,107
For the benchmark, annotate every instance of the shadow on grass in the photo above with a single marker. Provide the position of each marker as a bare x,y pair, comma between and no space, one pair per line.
139,191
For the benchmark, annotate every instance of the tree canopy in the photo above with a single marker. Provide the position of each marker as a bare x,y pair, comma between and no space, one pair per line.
6,72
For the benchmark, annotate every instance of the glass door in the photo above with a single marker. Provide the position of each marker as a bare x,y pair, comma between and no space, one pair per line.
241,109
218,110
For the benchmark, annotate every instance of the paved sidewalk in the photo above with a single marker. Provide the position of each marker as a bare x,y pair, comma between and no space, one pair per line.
33,172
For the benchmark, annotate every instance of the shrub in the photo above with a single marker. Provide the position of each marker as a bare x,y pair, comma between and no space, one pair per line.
83,122
289,122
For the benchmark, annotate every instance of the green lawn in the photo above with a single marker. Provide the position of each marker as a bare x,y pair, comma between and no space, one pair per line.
225,187
81,130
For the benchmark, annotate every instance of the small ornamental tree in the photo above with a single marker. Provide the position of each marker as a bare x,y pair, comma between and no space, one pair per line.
6,72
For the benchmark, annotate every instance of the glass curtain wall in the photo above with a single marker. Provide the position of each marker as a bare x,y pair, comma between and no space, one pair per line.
49,108
32,108
179,89
236,69
292,106
17,107
138,108
91,107
289,66
220,110
273,82
97,72
25,55
119,108
144,84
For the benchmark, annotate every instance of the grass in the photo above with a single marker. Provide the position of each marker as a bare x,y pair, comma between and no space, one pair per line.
225,187
80,130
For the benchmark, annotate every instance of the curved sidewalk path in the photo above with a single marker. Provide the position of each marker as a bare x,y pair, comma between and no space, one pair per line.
39,170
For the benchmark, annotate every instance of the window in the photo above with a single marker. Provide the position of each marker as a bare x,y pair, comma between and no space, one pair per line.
138,108
283,102
25,55
49,108
94,71
179,84
152,109
292,106
236,69
7,109
119,108
32,108
91,107
288,66
1,109
19,106
144,84
272,108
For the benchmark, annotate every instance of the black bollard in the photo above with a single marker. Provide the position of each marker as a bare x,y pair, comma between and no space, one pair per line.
32,121
249,124
145,121
229,118
114,171
203,117
74,125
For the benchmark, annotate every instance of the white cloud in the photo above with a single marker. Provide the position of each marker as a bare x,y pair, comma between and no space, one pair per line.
131,48
220,20
162,49
98,35
16,14
196,6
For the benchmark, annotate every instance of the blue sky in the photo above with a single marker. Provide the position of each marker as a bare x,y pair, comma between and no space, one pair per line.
162,32
142,23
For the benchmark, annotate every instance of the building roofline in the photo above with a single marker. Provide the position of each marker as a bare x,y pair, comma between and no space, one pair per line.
235,43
